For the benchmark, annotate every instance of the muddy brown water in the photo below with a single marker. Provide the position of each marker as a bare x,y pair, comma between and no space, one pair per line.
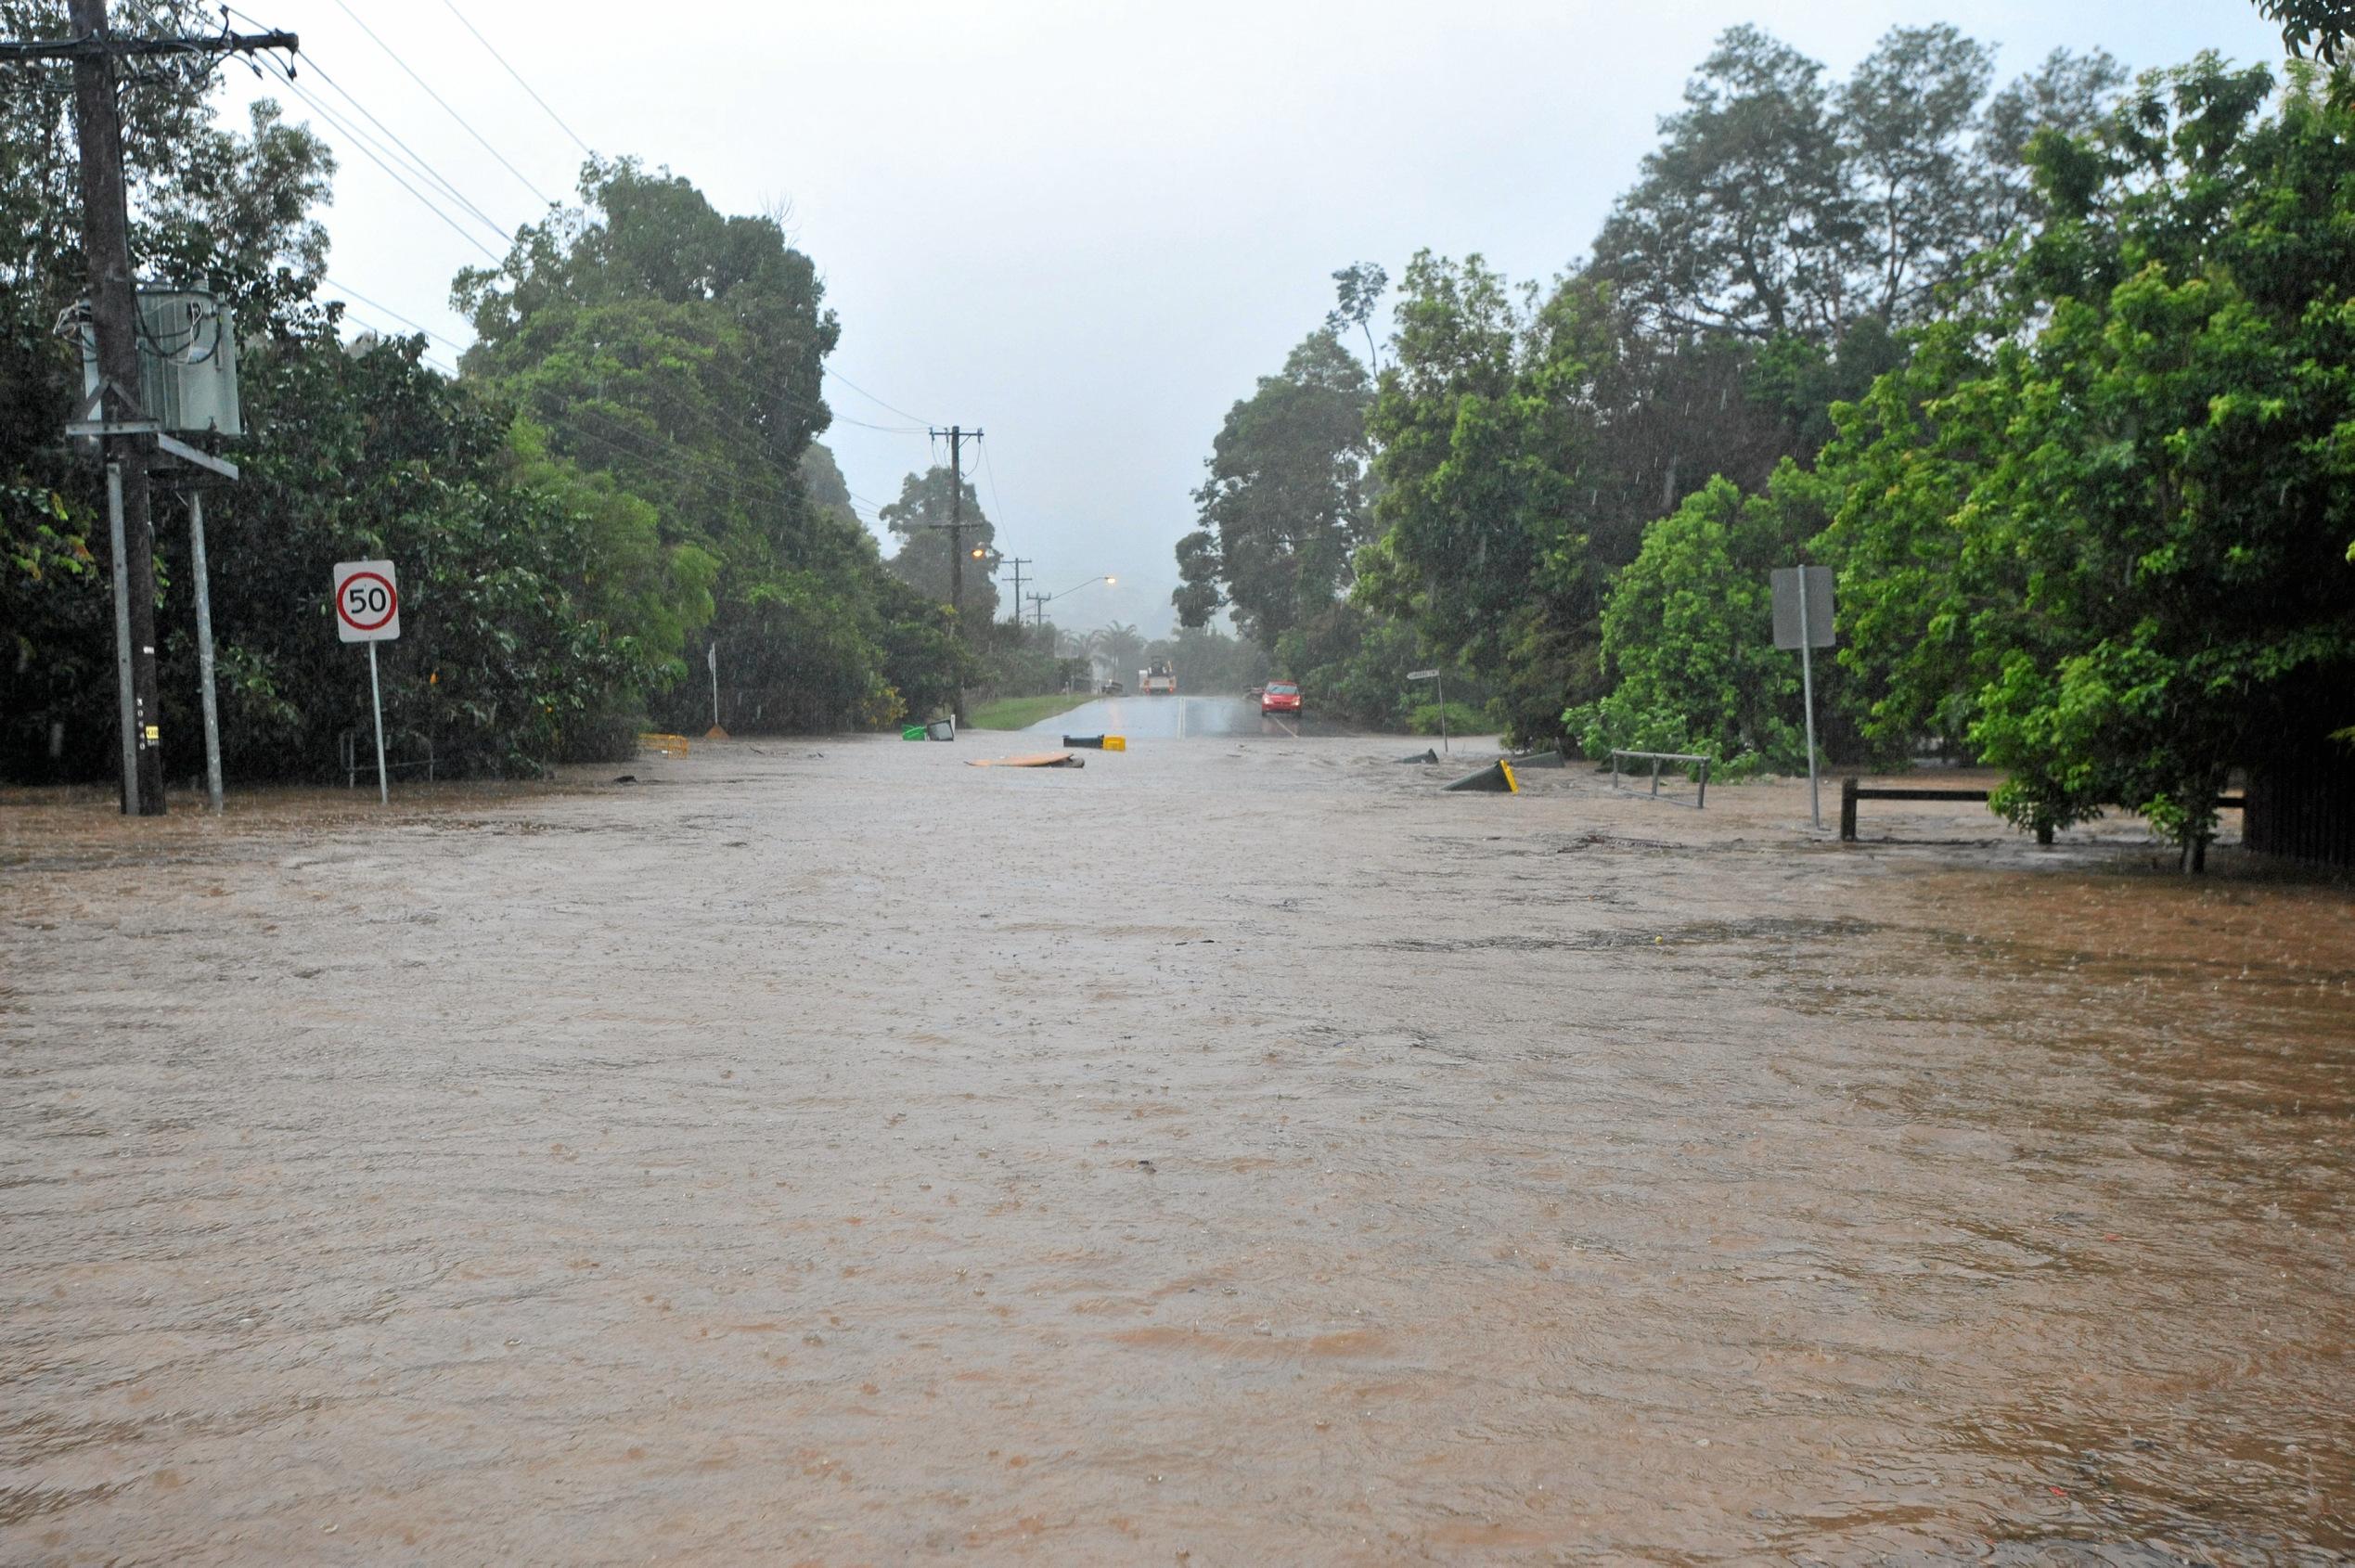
1233,1153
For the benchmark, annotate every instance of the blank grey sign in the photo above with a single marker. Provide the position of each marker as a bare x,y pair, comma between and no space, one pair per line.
1786,605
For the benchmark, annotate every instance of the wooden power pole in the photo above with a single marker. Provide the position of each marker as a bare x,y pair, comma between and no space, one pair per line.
114,315
126,429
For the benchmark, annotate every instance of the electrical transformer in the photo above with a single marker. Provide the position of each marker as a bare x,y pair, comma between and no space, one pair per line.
187,362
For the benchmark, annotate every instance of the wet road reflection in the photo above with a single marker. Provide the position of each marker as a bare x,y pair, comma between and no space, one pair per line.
1179,717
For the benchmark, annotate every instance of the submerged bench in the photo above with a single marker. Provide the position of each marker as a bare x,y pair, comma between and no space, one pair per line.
1656,758
1852,791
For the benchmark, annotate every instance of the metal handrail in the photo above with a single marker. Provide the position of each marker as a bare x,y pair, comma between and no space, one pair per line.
1699,800
348,741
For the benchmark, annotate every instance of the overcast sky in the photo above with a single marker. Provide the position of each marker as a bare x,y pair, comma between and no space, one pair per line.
1086,228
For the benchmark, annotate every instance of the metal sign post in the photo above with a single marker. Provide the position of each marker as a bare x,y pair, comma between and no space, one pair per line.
1441,686
204,647
1802,620
367,608
129,703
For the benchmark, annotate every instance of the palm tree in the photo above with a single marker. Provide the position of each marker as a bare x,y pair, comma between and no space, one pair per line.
1117,645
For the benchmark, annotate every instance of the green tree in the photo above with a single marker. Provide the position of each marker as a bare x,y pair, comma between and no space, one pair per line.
1116,647
1688,640
1742,218
2322,27
920,518
1357,291
2120,538
1779,205
680,350
1286,500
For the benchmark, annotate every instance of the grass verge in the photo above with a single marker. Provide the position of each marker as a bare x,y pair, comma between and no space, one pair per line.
1019,713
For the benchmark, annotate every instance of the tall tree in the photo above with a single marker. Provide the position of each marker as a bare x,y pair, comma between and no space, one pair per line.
1742,218
1117,645
920,517
1285,503
681,351
1907,125
1779,205
1357,291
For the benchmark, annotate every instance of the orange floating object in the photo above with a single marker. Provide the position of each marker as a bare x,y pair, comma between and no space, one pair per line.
1044,759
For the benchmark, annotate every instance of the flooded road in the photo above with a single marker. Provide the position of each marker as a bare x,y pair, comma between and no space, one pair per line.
1181,717
1229,1153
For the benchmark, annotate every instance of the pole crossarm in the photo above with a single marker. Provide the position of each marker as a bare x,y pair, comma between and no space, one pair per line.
97,45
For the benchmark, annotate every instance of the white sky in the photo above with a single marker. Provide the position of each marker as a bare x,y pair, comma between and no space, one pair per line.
1084,225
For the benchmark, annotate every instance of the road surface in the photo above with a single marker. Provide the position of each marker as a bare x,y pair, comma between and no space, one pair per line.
1181,717
1231,1152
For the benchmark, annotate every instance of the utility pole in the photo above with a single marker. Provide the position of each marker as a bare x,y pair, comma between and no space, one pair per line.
114,307
1017,562
956,525
125,431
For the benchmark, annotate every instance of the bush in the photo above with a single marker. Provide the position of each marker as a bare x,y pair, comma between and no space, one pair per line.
1462,719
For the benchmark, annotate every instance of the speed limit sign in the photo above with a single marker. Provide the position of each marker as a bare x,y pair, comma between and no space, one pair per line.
367,601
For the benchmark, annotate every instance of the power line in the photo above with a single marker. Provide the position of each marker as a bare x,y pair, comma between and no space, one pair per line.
378,306
415,158
776,396
519,80
989,473
437,98
837,417
386,337
427,171
369,153
873,399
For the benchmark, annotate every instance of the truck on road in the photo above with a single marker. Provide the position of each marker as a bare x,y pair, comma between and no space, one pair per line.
1160,680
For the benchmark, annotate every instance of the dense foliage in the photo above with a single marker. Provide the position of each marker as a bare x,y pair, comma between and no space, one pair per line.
625,477
2096,530
2107,536
2054,374
1781,243
679,351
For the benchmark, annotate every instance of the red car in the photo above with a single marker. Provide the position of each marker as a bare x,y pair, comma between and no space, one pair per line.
1280,697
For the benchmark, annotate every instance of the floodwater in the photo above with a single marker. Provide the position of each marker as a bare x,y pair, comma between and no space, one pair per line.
1229,1152
1181,717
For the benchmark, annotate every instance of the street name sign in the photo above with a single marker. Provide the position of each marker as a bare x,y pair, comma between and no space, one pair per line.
1790,615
